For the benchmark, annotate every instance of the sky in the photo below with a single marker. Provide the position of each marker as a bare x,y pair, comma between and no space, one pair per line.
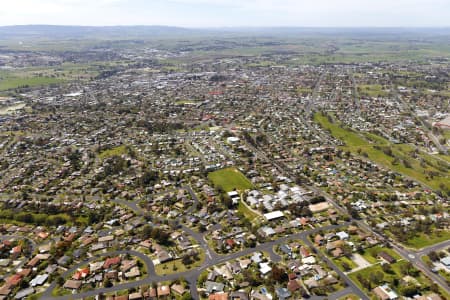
229,13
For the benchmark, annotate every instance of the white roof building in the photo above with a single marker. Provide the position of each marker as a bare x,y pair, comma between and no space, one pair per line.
39,280
274,215
264,268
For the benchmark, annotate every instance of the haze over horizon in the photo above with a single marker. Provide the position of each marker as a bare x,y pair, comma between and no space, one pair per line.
229,13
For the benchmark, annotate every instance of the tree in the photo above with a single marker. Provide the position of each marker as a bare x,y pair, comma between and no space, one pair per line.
346,266
376,277
407,269
186,260
347,250
408,290
386,268
147,231
107,283
433,256
187,296
279,274
59,281
434,288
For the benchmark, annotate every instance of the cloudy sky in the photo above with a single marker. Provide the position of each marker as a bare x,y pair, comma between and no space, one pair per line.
228,13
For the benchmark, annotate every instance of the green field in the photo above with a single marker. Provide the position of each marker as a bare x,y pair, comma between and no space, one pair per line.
119,150
387,277
359,144
186,102
422,240
248,213
230,179
372,90
343,259
177,266
370,254
350,296
17,82
391,277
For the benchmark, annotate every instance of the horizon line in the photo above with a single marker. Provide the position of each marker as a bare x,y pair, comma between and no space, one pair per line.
237,27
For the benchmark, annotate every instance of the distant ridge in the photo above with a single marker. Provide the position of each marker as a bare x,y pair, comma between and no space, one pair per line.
83,32
18,32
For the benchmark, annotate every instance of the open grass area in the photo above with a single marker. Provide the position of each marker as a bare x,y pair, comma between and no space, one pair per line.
177,266
304,90
359,144
229,179
188,102
60,291
446,275
444,157
365,273
343,259
372,90
16,82
247,212
426,260
422,240
35,296
370,254
350,296
119,150
392,278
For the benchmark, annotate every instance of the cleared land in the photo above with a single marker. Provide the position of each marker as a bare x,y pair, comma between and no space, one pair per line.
230,179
